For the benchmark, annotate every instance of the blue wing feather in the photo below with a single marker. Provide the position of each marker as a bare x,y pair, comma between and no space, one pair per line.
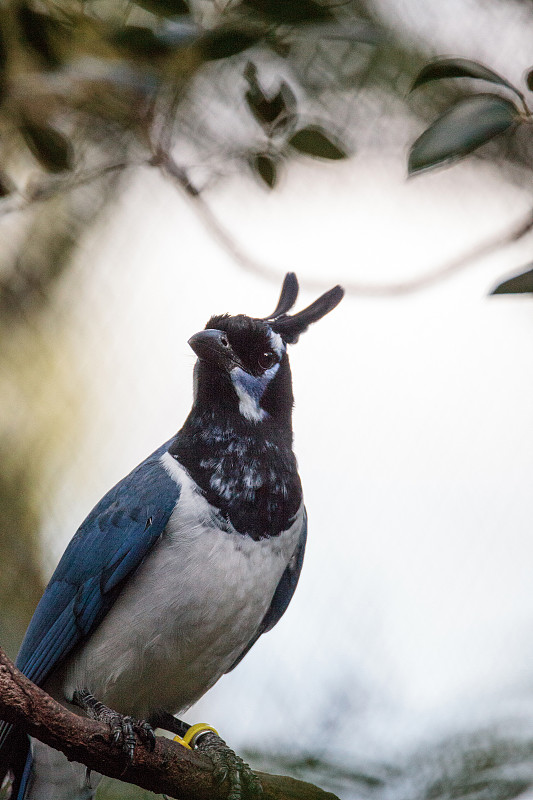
283,594
109,545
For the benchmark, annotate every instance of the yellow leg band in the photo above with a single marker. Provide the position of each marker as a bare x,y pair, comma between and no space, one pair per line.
189,740
182,742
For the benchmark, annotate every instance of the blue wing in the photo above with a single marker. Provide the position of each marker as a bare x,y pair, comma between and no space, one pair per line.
283,594
109,545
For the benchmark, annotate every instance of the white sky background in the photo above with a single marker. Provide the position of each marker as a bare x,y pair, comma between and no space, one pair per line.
413,425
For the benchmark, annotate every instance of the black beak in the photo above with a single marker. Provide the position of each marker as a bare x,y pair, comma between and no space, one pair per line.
213,346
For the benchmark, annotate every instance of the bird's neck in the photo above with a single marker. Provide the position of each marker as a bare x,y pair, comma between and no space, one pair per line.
245,469
243,409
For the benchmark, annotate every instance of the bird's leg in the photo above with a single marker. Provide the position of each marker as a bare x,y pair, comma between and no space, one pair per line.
168,722
227,765
123,728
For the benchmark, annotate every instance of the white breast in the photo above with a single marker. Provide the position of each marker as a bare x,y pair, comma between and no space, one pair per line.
187,613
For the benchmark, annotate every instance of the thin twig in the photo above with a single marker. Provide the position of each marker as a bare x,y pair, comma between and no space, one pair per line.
356,288
53,187
178,175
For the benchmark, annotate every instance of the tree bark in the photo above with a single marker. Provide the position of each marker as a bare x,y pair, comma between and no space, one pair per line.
170,769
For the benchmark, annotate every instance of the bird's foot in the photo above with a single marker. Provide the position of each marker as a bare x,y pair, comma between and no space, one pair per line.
228,766
124,729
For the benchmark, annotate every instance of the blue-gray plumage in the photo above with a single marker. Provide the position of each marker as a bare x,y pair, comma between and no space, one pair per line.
183,565
109,545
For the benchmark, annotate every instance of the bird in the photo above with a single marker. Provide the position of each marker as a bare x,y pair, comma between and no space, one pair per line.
181,567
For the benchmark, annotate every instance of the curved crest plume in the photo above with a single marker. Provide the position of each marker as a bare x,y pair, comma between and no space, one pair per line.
290,327
287,298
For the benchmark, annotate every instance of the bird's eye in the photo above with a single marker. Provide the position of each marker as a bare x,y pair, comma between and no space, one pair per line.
224,341
267,359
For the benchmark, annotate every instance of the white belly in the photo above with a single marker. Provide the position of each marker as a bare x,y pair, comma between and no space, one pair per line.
184,617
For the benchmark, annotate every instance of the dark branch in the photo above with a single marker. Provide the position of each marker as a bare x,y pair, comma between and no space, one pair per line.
169,769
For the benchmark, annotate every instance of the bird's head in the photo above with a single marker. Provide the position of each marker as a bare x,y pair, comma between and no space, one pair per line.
242,361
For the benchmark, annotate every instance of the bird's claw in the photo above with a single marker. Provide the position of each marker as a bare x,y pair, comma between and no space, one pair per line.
146,734
124,731
228,766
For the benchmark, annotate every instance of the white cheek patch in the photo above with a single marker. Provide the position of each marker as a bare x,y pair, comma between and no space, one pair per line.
248,405
278,345
250,390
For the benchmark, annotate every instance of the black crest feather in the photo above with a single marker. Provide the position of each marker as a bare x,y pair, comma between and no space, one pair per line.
290,327
287,298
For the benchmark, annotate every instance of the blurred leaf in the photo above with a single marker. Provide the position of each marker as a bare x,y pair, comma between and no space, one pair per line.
289,12
264,165
356,31
459,68
140,41
289,115
53,150
263,109
164,8
313,141
6,185
529,80
520,284
462,129
226,43
280,45
38,29
267,110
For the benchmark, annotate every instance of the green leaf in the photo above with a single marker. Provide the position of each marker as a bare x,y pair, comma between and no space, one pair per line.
460,68
289,12
264,110
520,284
138,41
288,118
264,165
164,8
463,128
268,110
51,149
225,43
313,141
38,30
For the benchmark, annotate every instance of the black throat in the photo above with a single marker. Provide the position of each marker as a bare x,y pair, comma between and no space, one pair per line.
245,469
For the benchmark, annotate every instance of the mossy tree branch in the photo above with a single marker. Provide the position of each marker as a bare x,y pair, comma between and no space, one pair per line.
170,769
